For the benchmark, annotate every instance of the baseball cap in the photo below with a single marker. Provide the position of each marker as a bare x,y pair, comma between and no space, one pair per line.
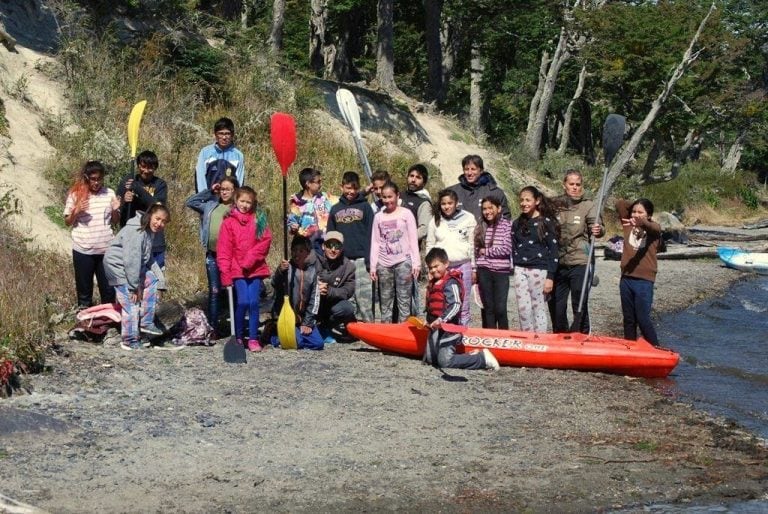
333,234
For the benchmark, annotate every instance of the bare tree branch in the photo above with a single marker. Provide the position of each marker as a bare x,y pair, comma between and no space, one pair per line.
566,134
627,152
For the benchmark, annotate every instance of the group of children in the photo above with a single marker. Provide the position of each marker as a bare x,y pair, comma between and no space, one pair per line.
347,254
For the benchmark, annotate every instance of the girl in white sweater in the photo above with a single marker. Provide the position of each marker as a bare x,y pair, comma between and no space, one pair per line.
452,229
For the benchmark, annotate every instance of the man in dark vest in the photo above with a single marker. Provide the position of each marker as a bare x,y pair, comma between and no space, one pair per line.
417,200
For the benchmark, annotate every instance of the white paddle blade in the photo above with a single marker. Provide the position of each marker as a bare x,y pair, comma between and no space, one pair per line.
349,110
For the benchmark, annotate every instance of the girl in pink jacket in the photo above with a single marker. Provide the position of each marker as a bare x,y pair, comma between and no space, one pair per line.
241,255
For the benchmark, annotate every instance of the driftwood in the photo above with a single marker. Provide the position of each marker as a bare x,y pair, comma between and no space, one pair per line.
12,506
727,234
757,224
681,252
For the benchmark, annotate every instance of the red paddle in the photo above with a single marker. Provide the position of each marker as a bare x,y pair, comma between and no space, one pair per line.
283,133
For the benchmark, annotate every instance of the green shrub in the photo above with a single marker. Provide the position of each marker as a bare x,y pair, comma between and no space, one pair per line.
3,120
699,182
749,197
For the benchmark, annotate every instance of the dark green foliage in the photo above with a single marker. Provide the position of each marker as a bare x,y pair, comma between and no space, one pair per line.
701,182
199,62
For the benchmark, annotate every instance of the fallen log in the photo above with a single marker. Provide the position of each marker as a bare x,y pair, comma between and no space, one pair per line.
723,234
757,224
680,252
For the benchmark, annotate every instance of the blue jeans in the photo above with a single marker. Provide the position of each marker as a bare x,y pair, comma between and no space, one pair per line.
311,341
159,258
248,293
215,291
636,299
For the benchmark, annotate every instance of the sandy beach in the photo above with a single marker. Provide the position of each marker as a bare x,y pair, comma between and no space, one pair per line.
352,429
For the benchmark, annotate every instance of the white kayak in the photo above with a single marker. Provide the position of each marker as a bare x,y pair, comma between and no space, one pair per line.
756,262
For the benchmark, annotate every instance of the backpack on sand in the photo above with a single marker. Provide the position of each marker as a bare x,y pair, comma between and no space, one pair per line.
193,329
91,324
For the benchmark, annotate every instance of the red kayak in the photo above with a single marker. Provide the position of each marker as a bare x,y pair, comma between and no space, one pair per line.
527,349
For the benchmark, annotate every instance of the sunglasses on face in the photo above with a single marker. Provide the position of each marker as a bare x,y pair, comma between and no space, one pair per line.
333,245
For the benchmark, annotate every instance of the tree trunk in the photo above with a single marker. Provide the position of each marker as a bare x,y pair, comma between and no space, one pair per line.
731,160
682,156
653,156
565,136
341,67
278,19
317,23
533,109
385,51
586,146
475,92
627,152
432,18
538,116
448,45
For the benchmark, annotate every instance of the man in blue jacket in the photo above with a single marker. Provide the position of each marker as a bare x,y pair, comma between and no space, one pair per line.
221,159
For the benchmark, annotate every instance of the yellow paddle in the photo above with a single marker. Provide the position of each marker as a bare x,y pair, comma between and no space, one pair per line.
283,132
134,121
416,322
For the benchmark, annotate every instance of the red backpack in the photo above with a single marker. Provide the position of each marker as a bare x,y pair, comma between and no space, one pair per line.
92,323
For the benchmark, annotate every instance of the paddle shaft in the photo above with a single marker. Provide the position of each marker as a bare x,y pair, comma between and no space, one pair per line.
285,217
587,274
615,141
363,157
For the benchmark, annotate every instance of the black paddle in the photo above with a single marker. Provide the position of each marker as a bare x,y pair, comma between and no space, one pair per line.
613,137
234,353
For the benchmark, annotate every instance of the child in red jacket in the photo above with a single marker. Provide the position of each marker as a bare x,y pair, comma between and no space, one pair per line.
241,255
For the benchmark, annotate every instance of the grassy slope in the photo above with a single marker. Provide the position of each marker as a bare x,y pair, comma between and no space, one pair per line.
103,85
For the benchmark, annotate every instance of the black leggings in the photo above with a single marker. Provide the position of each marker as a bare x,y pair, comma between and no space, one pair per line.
494,291
86,266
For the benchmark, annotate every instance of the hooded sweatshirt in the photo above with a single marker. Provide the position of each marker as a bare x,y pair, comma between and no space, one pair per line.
354,219
129,254
339,274
240,253
300,284
471,195
455,235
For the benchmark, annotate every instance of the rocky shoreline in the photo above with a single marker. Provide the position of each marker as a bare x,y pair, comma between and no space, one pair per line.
351,429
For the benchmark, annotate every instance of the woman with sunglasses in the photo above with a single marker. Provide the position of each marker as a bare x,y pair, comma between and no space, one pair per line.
91,209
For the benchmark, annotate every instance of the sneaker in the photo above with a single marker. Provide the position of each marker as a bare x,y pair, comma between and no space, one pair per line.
145,343
130,347
254,346
329,340
490,361
339,330
151,329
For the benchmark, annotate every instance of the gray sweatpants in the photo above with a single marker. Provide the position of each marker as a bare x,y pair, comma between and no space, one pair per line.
363,299
395,283
446,342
